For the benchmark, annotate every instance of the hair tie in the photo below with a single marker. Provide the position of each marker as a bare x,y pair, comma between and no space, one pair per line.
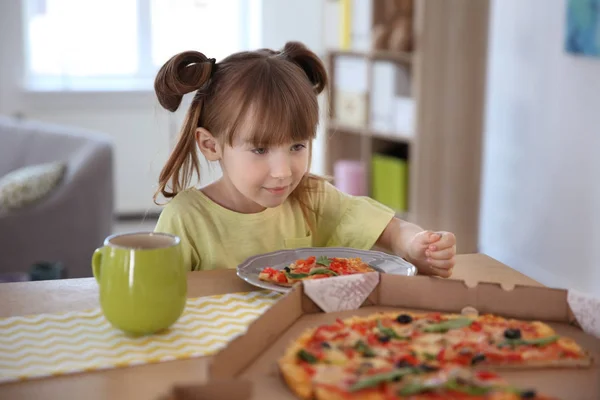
212,66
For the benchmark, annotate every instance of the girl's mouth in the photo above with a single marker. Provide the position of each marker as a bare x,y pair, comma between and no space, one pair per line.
278,190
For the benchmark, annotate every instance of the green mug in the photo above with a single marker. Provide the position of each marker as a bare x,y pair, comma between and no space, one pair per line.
142,281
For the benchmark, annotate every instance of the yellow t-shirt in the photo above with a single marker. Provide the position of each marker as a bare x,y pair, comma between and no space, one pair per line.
213,237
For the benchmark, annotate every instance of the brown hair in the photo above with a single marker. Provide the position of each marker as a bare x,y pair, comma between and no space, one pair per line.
276,89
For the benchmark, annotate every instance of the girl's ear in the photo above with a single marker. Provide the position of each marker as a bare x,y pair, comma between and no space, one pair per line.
209,146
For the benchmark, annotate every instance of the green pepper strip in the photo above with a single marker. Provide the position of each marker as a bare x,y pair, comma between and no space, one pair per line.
292,275
317,271
472,390
374,380
308,357
447,325
323,261
418,387
363,348
389,331
536,342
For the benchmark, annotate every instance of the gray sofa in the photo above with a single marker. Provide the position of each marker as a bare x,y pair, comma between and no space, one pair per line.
75,218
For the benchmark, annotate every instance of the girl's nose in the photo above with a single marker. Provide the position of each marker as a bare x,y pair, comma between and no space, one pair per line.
280,168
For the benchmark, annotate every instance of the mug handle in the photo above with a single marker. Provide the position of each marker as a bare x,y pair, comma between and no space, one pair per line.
96,260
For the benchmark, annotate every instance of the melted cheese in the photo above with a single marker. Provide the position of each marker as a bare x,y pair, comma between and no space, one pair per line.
543,329
428,343
331,374
432,379
403,331
352,338
456,336
376,362
327,335
569,344
336,356
433,343
533,354
430,338
382,352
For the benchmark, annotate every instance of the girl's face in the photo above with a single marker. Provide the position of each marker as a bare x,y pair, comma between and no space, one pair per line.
265,175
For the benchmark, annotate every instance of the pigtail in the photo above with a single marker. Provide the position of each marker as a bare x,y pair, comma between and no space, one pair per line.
312,65
182,74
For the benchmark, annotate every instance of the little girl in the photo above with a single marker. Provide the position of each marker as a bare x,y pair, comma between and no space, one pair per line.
256,113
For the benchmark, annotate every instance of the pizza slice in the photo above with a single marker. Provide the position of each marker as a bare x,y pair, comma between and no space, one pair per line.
485,340
314,268
490,340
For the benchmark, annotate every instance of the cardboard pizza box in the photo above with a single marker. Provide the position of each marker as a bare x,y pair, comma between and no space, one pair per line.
253,356
230,389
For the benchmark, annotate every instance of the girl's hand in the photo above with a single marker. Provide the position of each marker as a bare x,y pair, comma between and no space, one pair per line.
433,253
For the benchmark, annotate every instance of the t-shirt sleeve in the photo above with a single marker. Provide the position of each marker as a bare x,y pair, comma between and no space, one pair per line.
343,220
172,220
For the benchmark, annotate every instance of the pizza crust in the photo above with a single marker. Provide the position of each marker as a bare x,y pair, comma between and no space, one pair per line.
294,375
297,379
265,277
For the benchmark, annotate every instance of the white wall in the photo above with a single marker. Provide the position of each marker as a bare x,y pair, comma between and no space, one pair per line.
135,121
541,192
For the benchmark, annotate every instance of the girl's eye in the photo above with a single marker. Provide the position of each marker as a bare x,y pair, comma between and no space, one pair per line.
260,150
298,147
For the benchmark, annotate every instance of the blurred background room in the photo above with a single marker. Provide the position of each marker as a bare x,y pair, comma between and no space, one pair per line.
473,116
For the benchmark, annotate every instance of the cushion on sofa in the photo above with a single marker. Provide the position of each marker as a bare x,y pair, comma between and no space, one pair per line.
28,185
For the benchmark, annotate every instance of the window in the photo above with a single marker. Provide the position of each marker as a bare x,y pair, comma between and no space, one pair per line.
120,44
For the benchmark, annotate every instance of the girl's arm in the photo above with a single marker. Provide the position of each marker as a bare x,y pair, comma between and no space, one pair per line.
431,252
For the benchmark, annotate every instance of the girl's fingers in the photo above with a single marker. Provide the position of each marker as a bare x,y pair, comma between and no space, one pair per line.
426,238
445,254
446,240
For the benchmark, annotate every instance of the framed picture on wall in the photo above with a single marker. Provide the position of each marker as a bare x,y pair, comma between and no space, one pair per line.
583,27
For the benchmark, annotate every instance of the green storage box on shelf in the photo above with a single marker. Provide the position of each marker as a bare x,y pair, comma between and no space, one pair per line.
389,181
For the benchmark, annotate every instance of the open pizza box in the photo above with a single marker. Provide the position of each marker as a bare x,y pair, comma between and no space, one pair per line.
247,366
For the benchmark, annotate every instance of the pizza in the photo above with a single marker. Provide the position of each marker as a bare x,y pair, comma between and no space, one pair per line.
433,355
314,268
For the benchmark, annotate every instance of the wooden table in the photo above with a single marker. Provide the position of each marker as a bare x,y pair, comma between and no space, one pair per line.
151,380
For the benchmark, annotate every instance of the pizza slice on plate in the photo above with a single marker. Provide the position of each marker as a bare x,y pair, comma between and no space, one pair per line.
314,268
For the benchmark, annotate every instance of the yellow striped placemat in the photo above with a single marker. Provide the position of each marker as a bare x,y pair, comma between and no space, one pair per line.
56,344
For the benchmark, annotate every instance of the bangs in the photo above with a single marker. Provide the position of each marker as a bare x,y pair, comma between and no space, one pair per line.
277,105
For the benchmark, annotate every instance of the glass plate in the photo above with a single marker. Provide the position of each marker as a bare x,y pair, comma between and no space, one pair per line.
382,262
